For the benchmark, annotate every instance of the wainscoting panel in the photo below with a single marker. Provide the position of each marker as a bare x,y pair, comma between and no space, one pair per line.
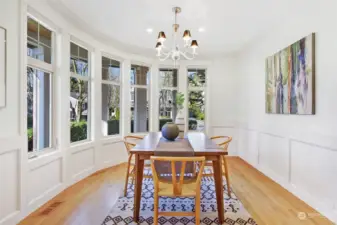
306,169
82,162
314,169
112,153
243,143
248,142
9,184
274,155
44,179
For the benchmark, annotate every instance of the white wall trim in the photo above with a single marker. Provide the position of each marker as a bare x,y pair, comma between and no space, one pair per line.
326,207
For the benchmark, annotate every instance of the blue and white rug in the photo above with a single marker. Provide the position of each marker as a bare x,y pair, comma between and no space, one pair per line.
122,212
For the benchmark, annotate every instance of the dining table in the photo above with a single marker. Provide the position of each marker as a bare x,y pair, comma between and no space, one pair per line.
200,144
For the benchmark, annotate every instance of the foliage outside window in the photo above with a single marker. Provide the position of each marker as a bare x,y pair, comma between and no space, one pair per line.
39,86
39,102
168,85
139,78
110,96
79,93
196,99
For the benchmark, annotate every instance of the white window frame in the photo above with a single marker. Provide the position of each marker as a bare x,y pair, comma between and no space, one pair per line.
147,93
47,68
189,89
108,82
167,88
89,80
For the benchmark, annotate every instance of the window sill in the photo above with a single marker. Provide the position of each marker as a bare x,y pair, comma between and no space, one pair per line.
116,138
41,153
77,144
140,133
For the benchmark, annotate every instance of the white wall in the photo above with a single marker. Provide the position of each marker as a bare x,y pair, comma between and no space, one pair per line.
299,152
26,184
222,88
10,138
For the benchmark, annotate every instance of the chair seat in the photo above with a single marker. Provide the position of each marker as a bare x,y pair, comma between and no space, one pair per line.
188,190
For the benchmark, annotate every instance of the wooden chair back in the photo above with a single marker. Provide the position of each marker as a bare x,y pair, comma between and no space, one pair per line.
129,142
177,176
226,140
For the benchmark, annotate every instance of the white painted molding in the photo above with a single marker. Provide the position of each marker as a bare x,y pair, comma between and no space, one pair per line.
327,206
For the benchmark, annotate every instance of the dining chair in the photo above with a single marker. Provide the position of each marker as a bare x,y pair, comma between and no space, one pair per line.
130,142
222,141
178,185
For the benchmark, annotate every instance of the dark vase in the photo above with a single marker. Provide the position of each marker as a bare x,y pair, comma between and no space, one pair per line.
170,131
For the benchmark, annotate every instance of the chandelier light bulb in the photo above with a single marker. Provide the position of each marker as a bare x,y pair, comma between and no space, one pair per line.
187,35
161,37
158,45
194,44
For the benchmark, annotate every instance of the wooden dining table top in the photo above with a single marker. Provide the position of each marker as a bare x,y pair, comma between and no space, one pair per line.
202,145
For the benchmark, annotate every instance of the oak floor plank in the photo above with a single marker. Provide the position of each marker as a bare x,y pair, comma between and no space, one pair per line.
90,200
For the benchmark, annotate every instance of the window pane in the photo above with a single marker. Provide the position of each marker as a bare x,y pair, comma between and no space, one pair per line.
44,53
196,78
83,54
39,103
79,109
196,110
167,107
139,110
110,109
110,69
168,78
79,67
78,60
40,52
32,29
74,50
139,75
39,41
32,46
45,36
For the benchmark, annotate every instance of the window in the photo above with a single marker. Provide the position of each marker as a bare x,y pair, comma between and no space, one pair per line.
110,96
196,99
79,93
139,99
168,84
39,41
39,86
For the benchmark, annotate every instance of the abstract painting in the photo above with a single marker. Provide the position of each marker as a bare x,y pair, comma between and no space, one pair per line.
290,79
2,67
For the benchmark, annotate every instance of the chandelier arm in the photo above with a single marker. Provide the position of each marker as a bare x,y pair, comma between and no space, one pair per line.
186,56
165,57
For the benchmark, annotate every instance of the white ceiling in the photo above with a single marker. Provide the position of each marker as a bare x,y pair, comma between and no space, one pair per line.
229,24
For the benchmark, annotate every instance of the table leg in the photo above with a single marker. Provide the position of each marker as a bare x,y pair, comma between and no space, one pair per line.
138,186
219,188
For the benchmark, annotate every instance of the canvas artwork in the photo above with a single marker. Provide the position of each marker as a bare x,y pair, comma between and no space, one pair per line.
2,67
290,79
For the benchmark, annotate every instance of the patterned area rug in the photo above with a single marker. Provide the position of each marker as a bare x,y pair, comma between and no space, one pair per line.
122,212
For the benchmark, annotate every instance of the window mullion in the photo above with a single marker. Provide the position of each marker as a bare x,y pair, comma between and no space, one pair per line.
111,82
139,86
40,65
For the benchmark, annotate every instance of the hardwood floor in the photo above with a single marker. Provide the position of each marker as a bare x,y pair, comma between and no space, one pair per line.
90,200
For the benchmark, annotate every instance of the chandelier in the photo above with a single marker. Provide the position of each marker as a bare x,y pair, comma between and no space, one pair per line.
188,51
